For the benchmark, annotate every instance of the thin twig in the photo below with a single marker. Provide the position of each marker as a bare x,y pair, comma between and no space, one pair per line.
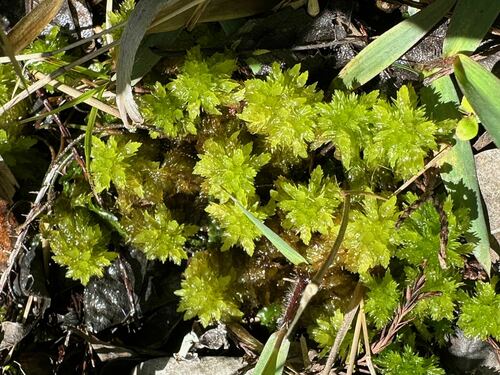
354,345
443,232
331,43
344,328
49,179
312,288
413,295
430,164
366,339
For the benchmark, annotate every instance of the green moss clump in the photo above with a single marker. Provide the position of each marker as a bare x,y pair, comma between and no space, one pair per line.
266,142
403,135
121,15
382,299
406,362
308,208
110,161
346,122
479,317
79,243
163,110
206,84
369,236
281,109
229,167
157,234
208,291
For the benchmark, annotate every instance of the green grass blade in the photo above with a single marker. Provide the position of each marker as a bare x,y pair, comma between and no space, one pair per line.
387,48
87,142
268,354
469,24
284,248
459,172
80,99
282,356
272,360
482,89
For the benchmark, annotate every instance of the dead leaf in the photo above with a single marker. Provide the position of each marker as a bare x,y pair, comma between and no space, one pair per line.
33,23
7,227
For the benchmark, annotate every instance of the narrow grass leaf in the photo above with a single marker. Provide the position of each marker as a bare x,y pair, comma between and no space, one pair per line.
80,99
284,248
87,142
272,359
469,24
387,48
458,172
282,356
481,88
267,355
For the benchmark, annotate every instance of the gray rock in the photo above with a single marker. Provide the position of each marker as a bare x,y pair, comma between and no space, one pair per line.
488,175
471,356
198,366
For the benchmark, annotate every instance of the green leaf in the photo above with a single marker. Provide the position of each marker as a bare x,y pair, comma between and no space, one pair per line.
272,361
481,89
459,172
470,22
467,128
284,248
387,48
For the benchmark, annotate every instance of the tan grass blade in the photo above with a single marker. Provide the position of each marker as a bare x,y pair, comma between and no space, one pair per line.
41,83
32,24
177,14
74,93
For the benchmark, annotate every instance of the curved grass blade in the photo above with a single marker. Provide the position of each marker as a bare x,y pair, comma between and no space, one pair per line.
135,29
387,48
459,172
469,24
284,248
481,88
